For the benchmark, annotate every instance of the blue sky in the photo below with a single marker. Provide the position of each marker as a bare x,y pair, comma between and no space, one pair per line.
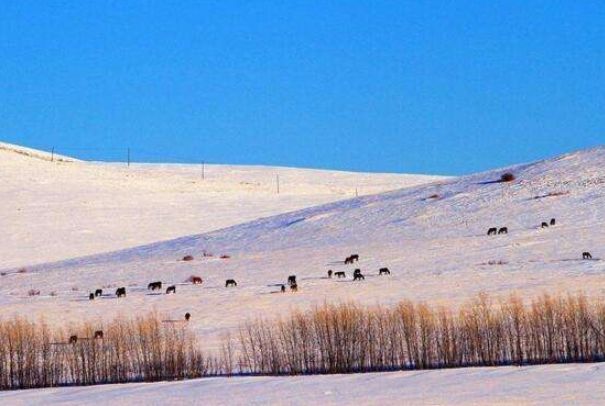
444,87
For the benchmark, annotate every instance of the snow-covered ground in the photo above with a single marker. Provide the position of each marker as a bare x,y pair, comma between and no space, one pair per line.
431,236
66,208
572,384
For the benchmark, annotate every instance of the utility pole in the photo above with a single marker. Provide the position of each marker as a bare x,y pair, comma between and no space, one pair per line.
52,155
203,170
129,157
277,182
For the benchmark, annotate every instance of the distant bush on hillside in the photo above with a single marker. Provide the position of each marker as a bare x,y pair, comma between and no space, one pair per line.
507,177
188,258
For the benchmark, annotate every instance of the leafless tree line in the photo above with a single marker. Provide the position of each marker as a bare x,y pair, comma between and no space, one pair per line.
348,338
332,338
35,354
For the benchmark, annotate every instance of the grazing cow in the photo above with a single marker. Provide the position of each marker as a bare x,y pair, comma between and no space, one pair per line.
188,258
340,274
196,280
187,316
283,288
329,273
357,272
91,296
73,339
171,289
155,285
586,255
294,287
230,282
351,258
98,335
384,271
544,224
291,280
492,231
503,230
121,292
553,222
358,277
99,292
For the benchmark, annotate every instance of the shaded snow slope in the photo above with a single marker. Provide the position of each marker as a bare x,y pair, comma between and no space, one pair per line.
536,385
63,209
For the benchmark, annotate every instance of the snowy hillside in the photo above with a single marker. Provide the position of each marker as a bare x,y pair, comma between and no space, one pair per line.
432,237
535,385
67,208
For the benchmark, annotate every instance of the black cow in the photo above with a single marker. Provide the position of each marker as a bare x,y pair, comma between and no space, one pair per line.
171,289
351,258
586,255
230,282
553,222
155,285
291,280
384,271
196,280
73,339
544,224
99,292
357,272
340,274
294,287
91,296
358,277
329,273
492,231
283,288
121,292
187,316
503,230
98,335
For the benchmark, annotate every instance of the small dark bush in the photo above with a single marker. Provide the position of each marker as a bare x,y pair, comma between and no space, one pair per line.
22,270
507,177
33,292
188,258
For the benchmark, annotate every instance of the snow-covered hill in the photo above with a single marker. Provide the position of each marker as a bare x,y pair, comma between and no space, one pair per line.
53,210
571,384
432,237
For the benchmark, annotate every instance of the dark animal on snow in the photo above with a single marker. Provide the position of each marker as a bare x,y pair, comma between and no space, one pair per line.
384,271
188,258
552,222
492,231
230,282
91,296
503,230
294,287
99,292
283,288
351,258
98,335
358,277
187,316
329,273
73,339
121,292
171,289
340,274
196,280
586,255
155,285
544,224
291,280
357,272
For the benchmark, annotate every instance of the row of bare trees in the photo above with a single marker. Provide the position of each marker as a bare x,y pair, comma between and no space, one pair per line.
327,339
349,338
34,354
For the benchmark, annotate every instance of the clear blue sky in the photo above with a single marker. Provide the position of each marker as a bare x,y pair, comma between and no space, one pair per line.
446,87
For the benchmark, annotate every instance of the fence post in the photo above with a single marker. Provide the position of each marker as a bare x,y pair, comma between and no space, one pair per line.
128,157
52,154
203,170
277,182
